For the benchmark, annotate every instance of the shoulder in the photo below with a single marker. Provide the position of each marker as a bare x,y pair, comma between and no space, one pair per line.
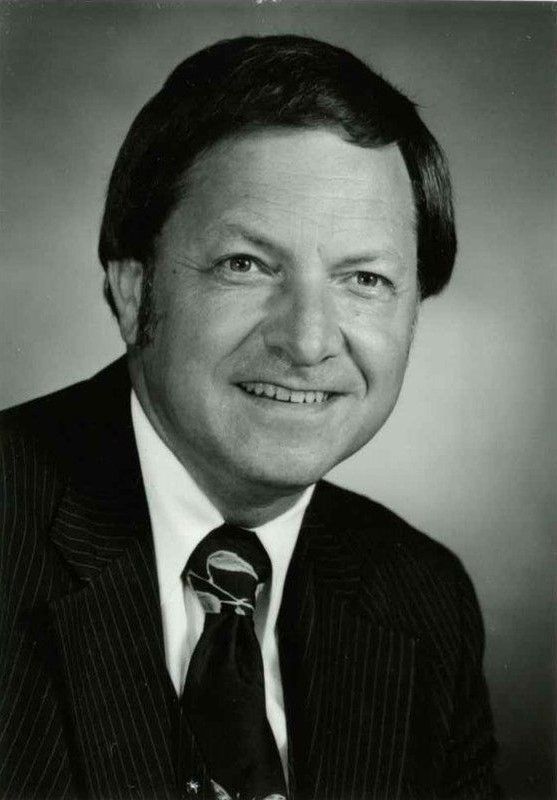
377,528
44,440
59,422
32,442
57,414
423,584
30,446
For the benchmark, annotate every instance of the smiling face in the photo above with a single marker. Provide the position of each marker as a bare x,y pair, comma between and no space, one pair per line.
285,292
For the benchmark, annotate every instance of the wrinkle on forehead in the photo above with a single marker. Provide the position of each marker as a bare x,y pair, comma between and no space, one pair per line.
248,180
344,217
341,207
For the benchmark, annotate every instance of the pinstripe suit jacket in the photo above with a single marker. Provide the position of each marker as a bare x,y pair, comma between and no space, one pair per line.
380,635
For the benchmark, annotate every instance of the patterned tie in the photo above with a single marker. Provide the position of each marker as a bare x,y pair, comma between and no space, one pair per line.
224,694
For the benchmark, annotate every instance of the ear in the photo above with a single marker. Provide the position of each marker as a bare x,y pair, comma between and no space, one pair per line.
126,280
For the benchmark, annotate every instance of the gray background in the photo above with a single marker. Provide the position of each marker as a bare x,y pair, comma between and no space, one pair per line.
469,454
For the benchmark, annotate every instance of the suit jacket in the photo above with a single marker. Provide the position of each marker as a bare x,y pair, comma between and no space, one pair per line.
380,635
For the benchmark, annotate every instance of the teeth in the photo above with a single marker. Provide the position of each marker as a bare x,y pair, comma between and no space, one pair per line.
275,392
297,397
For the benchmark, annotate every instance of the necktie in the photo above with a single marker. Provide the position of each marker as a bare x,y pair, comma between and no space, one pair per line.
224,694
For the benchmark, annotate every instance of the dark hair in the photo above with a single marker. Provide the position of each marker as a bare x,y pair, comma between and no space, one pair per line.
255,82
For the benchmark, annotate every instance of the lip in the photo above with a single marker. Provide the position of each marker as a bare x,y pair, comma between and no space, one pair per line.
290,386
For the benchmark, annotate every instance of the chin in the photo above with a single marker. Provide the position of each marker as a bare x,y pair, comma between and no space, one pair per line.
285,474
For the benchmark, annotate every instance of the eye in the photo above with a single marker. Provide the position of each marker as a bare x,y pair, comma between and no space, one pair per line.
368,279
243,269
240,264
370,284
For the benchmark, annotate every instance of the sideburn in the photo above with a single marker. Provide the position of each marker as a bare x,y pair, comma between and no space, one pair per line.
147,319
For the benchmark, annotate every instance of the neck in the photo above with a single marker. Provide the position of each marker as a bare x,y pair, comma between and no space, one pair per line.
249,509
243,503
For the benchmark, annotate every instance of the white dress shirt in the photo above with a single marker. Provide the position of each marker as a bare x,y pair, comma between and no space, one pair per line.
181,515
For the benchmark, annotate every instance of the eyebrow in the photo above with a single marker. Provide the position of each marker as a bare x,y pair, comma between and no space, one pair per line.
368,257
252,236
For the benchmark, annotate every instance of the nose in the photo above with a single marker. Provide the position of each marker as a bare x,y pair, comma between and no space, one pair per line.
303,327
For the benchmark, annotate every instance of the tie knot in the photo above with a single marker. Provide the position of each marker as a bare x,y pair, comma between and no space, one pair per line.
226,568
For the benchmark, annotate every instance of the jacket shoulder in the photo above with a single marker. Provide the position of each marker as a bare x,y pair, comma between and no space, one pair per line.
57,423
420,582
30,442
46,416
44,440
378,527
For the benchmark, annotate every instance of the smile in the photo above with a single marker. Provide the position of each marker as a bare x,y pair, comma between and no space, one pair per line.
284,395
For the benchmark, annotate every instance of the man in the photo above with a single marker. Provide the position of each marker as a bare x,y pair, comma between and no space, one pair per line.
189,609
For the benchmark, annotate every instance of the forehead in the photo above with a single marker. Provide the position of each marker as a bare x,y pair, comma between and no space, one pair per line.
291,178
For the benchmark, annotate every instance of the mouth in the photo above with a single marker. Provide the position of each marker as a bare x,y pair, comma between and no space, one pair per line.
272,391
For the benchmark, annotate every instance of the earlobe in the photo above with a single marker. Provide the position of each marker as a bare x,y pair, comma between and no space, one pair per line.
126,281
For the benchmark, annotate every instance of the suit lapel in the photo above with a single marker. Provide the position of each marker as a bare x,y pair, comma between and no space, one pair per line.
105,636
348,669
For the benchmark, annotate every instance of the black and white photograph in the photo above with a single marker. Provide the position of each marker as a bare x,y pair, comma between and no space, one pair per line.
278,434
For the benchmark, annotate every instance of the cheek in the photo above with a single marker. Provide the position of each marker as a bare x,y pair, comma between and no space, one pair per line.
186,318
202,328
380,353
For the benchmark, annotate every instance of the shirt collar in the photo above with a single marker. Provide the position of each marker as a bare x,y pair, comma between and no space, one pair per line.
181,514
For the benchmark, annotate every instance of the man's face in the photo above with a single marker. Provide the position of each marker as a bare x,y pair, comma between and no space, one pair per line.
285,292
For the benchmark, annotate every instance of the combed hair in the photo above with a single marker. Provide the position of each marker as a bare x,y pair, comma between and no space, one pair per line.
249,83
